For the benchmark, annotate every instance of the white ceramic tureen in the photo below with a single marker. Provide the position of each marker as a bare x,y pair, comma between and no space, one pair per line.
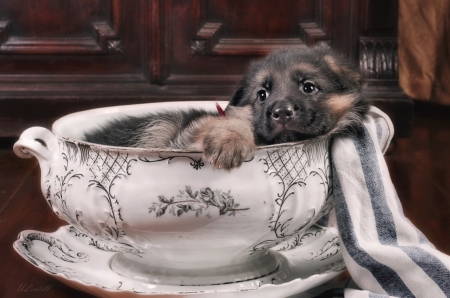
170,216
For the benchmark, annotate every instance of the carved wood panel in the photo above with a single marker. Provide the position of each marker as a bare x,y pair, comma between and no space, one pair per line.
72,41
378,58
215,40
215,25
102,37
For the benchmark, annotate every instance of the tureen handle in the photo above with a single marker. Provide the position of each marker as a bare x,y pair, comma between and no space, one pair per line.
39,142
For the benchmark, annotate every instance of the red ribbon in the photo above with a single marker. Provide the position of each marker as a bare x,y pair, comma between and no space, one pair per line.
219,109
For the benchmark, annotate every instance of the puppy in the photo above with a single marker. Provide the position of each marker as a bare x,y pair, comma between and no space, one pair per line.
289,96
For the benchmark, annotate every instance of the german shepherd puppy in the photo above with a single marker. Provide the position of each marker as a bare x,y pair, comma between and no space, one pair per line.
291,95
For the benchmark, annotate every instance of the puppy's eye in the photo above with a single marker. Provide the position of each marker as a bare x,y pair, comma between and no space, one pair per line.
262,95
309,88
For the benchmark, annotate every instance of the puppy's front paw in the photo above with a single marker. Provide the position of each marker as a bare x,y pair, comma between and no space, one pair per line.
226,148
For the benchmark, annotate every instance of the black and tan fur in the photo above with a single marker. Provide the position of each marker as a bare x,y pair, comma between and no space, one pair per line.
290,95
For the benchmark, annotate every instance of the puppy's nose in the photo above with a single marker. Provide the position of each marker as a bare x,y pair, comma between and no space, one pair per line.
282,115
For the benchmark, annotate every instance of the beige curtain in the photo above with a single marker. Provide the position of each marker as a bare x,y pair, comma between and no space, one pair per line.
424,49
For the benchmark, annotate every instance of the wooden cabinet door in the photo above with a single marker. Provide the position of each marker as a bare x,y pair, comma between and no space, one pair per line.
214,40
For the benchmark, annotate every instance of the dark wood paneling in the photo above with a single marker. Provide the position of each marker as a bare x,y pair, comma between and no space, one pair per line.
58,57
225,28
60,27
379,18
224,38
70,37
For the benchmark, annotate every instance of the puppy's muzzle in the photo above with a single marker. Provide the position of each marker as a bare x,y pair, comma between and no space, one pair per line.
282,114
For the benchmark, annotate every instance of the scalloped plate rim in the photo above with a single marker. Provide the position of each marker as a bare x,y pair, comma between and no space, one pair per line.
94,289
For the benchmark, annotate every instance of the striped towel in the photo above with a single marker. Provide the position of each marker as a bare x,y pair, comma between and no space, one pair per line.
383,251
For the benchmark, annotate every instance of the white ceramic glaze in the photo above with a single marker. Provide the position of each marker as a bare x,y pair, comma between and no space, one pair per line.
170,216
83,262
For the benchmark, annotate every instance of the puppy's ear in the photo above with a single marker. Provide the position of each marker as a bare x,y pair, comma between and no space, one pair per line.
238,99
348,73
352,76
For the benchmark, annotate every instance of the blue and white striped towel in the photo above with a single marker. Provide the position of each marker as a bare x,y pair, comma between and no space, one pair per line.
383,251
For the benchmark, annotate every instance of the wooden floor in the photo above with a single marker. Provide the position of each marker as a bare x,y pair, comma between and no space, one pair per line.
419,167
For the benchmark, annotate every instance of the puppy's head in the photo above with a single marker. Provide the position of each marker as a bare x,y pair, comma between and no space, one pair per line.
300,94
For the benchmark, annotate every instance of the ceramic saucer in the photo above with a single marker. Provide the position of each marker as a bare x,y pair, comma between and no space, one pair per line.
82,262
